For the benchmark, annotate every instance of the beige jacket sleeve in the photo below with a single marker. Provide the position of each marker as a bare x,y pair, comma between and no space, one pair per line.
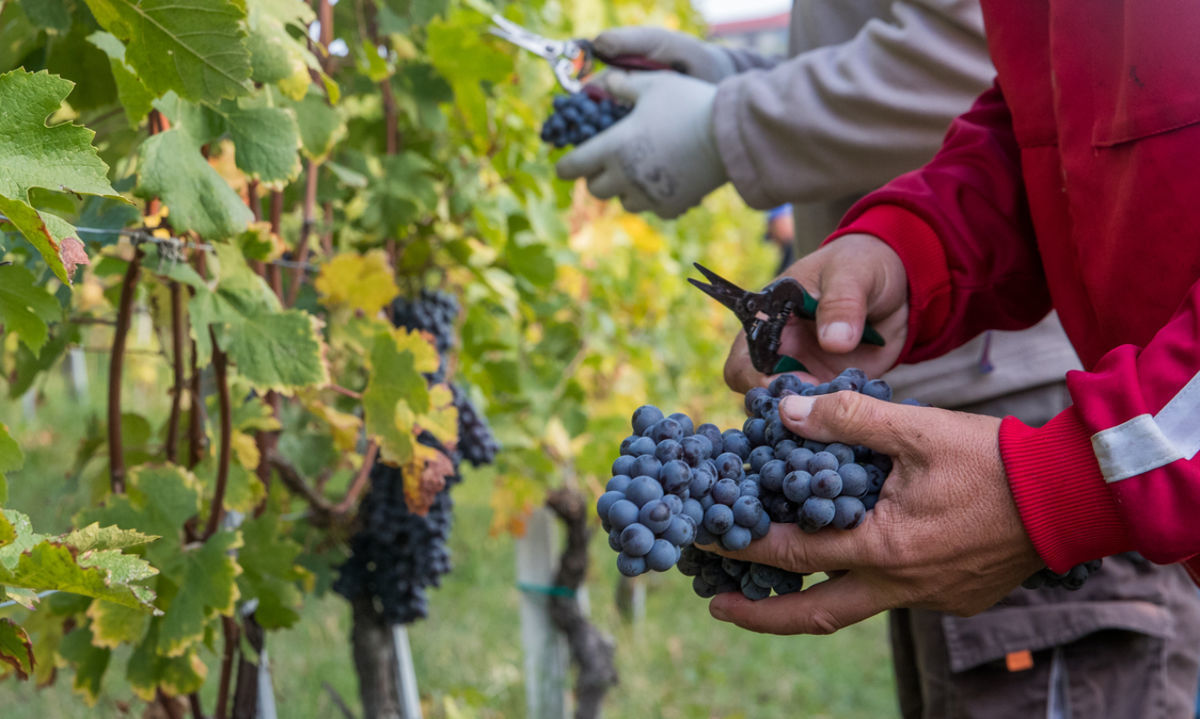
843,119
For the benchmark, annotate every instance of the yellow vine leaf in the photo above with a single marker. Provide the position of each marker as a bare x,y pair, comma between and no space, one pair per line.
359,282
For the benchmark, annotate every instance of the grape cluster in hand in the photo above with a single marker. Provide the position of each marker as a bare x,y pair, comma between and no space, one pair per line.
675,485
578,118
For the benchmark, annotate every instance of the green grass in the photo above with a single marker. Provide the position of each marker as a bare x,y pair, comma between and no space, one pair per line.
676,663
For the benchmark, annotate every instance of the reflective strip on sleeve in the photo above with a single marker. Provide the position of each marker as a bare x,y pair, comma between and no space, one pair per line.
1148,442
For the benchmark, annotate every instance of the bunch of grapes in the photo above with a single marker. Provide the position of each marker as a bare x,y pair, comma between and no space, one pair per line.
676,485
432,311
578,118
476,443
397,554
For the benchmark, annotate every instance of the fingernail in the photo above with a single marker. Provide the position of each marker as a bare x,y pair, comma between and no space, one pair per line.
837,332
796,407
718,611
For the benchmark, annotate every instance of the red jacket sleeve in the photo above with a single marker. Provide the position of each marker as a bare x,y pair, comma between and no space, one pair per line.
1118,470
975,264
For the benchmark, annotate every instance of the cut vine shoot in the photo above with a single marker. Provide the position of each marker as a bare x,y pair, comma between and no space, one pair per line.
676,485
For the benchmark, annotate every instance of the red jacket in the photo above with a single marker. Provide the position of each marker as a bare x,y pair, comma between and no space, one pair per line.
1075,183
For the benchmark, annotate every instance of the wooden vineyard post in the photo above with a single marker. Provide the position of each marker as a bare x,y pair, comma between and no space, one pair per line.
545,648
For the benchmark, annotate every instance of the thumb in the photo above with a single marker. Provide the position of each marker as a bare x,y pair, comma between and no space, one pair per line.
853,418
842,308
647,42
627,86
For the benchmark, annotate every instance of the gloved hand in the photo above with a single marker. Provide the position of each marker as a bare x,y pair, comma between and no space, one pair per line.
684,53
662,157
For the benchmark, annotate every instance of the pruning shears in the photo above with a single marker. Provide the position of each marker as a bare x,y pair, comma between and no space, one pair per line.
764,314
571,60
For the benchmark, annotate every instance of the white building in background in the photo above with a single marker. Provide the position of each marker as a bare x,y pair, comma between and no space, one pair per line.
759,25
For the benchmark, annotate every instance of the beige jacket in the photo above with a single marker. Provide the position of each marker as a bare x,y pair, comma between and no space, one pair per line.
867,95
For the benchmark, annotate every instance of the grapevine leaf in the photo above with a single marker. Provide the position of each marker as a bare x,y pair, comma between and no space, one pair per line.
114,625
321,125
26,307
135,97
260,244
207,587
270,573
359,282
194,47
148,670
15,648
93,536
23,540
394,392
158,499
282,351
403,194
267,142
59,158
344,427
424,477
173,169
8,533
243,490
11,459
463,54
23,597
273,349
106,574
201,123
441,418
89,660
54,14
278,56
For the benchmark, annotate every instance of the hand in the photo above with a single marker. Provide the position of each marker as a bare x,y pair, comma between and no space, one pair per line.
944,535
855,278
684,53
661,157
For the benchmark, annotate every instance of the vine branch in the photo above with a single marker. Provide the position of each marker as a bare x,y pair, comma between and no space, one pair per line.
116,450
220,366
178,371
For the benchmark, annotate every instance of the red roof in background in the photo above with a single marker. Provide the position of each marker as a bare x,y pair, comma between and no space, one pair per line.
737,27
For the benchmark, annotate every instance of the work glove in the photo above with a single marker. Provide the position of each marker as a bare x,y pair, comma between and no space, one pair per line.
682,52
661,157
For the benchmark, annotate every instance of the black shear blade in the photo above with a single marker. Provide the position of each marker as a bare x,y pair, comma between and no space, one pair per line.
720,289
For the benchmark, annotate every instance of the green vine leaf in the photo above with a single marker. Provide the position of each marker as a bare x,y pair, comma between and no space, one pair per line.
11,459
278,56
26,308
135,97
59,158
273,349
172,169
206,588
194,47
270,573
89,661
15,648
267,141
149,671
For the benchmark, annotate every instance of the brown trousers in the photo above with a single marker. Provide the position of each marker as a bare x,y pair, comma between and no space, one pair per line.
1125,646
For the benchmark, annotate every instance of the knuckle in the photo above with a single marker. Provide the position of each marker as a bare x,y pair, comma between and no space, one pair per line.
847,410
822,621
